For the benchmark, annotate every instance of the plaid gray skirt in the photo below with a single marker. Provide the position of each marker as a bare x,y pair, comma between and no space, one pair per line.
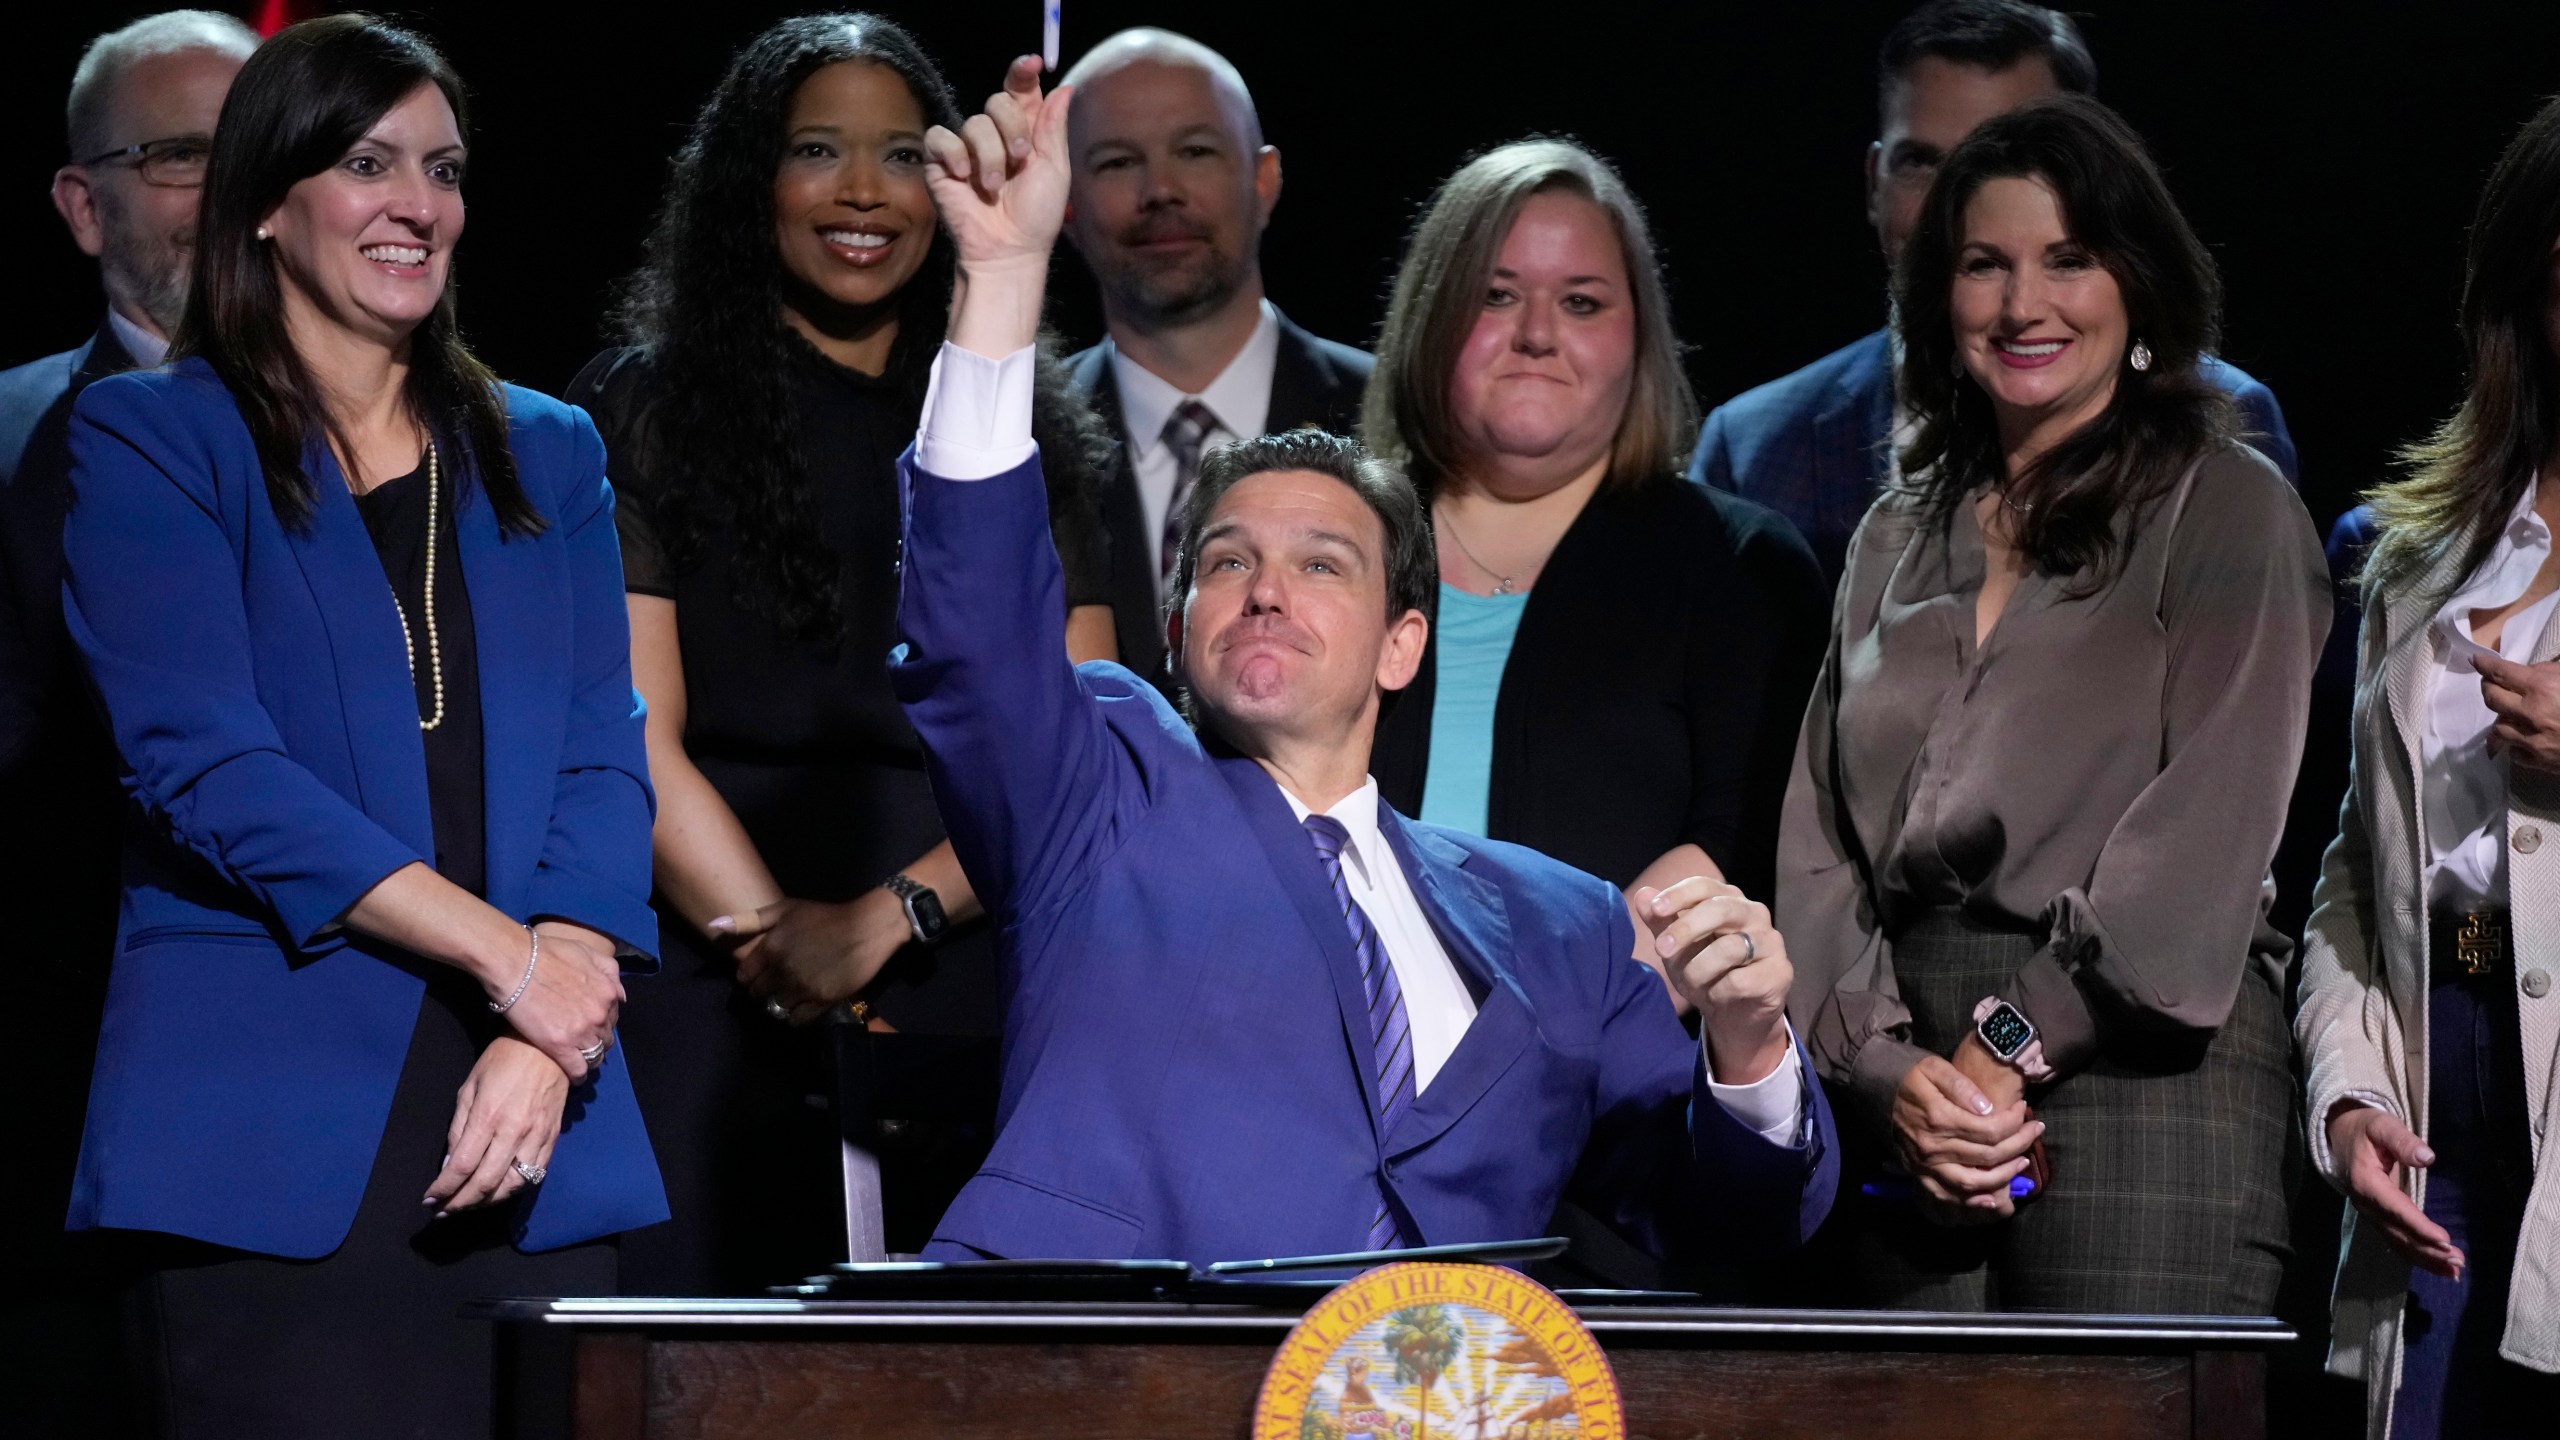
2169,1173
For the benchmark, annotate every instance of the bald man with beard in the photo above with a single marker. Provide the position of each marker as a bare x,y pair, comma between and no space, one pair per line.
1173,186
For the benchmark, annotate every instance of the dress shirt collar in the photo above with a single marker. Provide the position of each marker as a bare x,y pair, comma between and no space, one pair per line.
146,349
2509,571
1358,812
1240,397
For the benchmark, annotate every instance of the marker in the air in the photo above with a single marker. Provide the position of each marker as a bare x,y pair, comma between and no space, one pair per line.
1049,34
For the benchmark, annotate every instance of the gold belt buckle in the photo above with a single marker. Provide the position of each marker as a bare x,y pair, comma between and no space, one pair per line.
2478,941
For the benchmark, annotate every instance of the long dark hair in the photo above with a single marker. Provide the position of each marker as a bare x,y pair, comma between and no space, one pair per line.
302,100
2466,477
2079,495
707,305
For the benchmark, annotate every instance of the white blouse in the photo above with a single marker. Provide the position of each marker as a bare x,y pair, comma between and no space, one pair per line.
2465,787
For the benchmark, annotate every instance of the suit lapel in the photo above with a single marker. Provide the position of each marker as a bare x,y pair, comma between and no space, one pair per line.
1307,388
2406,657
103,356
1468,914
1301,875
519,711
1297,391
1124,523
363,624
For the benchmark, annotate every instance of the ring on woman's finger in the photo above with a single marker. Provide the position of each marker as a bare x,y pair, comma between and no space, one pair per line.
532,1173
594,1054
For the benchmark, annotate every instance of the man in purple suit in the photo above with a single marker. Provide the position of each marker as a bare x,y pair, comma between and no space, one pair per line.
1255,1011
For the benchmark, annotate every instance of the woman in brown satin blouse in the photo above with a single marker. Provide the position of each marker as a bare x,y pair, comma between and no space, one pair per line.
2047,763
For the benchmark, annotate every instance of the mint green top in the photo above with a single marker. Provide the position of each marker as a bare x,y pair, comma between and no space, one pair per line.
1474,645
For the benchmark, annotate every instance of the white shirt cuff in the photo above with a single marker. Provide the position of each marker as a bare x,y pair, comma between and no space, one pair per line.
977,415
1771,1106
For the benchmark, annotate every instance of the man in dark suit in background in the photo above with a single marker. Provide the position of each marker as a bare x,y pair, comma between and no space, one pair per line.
141,114
1173,186
1813,445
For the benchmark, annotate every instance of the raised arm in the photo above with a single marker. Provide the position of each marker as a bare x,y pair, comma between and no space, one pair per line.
1029,779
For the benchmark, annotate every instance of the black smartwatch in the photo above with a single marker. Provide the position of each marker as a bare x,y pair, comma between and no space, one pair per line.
923,907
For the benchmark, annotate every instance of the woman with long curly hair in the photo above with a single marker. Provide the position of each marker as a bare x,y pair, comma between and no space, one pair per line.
779,339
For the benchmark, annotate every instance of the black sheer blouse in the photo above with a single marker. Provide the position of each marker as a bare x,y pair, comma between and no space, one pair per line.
805,740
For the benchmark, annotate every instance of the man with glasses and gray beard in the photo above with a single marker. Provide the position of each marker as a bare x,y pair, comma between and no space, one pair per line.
142,109
1173,186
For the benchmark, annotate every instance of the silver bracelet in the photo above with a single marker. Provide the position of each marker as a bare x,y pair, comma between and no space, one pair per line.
529,962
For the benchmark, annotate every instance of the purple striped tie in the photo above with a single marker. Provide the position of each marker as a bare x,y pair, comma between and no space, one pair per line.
1390,1031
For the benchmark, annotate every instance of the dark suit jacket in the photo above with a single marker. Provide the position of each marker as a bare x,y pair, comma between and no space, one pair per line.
254,680
1811,445
1187,1065
41,709
1653,692
2321,785
57,771
1313,382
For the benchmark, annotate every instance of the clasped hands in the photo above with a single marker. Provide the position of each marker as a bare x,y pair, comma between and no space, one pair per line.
508,1112
809,956
1961,1128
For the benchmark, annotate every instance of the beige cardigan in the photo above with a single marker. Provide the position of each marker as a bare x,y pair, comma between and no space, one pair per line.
2362,1024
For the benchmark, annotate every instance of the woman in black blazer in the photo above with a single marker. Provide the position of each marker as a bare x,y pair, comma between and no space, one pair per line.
1620,659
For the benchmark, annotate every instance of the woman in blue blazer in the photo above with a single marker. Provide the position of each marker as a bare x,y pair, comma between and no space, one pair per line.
355,614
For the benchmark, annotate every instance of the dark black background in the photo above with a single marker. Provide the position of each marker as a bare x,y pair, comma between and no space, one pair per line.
2329,152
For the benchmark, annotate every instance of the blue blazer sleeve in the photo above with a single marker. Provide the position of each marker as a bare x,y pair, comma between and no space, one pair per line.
1668,1164
1033,783
595,867
152,598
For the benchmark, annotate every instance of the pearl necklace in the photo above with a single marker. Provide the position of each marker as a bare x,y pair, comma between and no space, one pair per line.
435,652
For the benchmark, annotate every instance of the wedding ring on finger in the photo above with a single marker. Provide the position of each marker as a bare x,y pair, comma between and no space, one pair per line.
594,1054
532,1173
1750,948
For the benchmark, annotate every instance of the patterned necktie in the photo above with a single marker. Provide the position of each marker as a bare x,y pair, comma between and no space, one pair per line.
1184,432
1390,1032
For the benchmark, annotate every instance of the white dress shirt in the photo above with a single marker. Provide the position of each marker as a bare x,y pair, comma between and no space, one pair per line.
2464,786
147,349
1240,397
977,424
1437,1002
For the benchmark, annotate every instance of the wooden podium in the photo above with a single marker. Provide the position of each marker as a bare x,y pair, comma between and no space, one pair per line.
789,1369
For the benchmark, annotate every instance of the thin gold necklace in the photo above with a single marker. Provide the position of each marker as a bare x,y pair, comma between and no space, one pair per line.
435,651
1501,583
